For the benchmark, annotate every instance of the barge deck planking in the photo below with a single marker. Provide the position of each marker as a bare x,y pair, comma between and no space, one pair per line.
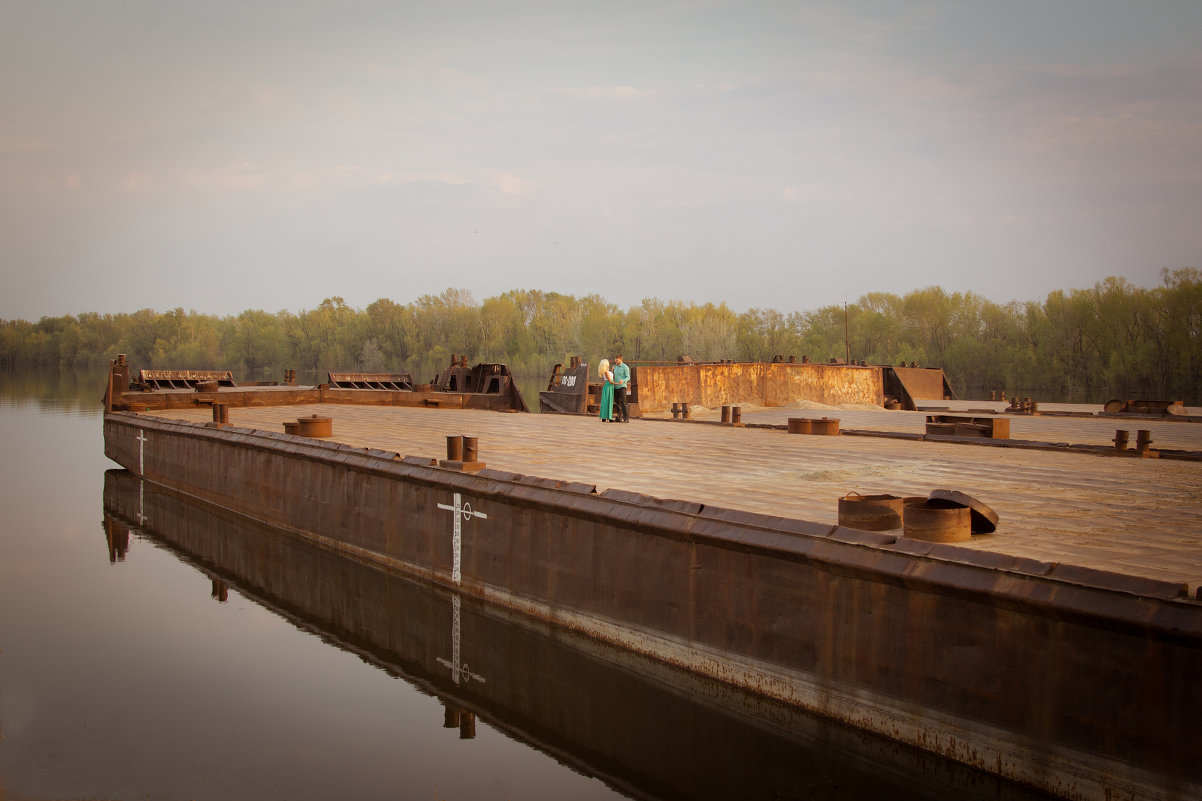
1138,517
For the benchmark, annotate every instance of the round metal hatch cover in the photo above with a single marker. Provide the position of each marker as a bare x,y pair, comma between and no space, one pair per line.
984,519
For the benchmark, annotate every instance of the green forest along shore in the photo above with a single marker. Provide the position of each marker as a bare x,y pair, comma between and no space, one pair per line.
1114,340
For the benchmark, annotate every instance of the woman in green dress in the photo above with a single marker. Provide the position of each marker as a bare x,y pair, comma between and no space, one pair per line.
607,391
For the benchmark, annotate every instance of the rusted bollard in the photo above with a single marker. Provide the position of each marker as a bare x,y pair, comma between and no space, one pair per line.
1143,439
725,414
736,415
1121,438
463,453
221,413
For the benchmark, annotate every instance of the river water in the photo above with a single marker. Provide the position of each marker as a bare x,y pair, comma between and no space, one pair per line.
155,649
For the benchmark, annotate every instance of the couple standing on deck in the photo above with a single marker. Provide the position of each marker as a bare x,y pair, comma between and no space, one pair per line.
613,390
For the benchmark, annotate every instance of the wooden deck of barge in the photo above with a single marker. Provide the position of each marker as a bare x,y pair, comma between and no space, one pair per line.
1137,516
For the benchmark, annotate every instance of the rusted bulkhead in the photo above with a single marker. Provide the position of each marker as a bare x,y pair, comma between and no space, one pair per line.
908,385
1071,680
567,391
760,383
412,630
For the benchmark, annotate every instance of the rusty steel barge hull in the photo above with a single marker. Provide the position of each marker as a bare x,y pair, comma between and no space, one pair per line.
1074,681
641,726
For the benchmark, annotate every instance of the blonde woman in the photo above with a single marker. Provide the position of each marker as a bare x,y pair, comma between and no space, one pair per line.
607,391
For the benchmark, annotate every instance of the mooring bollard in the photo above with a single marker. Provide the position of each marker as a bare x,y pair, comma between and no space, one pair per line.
463,454
684,411
221,413
1121,438
675,411
1143,439
736,415
725,414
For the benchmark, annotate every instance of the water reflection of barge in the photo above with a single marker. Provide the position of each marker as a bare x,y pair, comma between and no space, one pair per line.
648,730
1078,682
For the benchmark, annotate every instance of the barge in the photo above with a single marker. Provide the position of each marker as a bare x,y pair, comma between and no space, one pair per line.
459,386
1072,678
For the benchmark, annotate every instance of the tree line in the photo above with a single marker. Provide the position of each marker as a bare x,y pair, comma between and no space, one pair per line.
1114,340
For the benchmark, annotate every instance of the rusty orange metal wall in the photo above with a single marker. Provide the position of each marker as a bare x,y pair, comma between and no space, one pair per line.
1073,681
760,383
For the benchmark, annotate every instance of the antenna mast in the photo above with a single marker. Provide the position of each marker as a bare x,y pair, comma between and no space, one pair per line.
846,336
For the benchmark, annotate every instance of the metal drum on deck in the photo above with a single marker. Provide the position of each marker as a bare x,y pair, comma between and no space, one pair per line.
800,425
827,426
315,426
933,520
870,512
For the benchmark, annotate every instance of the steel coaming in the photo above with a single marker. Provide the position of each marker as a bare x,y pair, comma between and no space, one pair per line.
1063,678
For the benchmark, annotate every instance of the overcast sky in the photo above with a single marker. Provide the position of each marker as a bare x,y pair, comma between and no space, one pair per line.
222,156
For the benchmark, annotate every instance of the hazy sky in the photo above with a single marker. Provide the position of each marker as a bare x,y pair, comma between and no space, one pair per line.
222,156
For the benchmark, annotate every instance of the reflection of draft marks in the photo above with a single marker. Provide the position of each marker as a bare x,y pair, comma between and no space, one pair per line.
142,521
458,668
463,511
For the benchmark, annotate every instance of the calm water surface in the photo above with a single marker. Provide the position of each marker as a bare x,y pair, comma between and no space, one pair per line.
153,648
